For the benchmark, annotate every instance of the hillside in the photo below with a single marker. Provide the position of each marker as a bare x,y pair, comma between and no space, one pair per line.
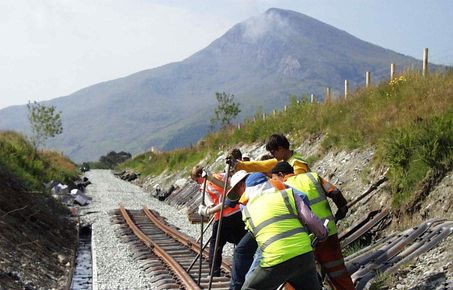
385,140
37,237
262,61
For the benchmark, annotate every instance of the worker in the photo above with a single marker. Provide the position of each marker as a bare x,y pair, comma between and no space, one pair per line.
328,253
278,147
279,221
233,228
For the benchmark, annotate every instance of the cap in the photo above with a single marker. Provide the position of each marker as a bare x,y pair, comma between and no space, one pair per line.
255,179
235,179
283,167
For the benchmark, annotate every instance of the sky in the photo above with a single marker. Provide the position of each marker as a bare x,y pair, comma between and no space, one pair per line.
52,48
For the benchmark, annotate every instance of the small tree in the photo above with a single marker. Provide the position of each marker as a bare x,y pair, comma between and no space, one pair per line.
45,122
226,110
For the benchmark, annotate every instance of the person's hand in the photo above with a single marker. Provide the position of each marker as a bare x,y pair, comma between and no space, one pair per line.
341,213
203,210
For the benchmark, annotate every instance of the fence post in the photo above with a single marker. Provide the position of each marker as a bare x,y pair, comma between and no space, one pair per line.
392,71
264,116
367,79
346,89
286,108
239,126
425,62
274,112
312,98
328,96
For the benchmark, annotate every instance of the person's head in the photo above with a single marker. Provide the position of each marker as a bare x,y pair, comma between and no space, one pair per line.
281,170
278,146
196,174
237,185
236,153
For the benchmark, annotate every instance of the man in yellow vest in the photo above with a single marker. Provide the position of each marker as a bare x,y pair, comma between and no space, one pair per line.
328,253
279,220
278,147
232,225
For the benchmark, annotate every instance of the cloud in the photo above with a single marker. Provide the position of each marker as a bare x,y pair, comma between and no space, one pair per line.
257,26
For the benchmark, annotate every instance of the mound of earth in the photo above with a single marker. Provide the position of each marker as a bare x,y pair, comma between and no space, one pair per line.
37,238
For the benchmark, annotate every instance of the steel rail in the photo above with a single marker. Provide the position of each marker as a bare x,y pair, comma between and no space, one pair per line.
182,275
180,237
423,245
365,228
392,258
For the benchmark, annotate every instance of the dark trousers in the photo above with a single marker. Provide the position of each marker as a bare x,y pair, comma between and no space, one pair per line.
300,271
242,260
233,229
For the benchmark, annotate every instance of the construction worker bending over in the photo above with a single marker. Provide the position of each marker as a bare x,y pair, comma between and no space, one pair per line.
328,253
279,221
233,228
278,147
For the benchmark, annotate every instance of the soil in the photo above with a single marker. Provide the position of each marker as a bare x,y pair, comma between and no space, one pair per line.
37,239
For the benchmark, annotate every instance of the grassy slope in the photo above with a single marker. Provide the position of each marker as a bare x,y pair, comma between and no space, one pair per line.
30,167
409,120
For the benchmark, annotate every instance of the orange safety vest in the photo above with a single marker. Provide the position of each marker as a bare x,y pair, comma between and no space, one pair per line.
216,192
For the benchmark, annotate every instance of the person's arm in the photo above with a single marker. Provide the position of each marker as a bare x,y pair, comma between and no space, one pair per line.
300,167
302,195
264,166
308,219
337,197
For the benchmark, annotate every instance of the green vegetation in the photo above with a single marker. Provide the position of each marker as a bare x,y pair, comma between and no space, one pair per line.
152,163
226,110
45,122
109,161
32,167
408,120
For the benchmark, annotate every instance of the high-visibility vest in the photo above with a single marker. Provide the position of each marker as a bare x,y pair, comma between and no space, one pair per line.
272,218
215,193
311,185
296,157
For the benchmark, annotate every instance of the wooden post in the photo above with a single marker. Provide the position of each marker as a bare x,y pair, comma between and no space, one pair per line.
425,62
264,116
327,98
367,79
274,112
239,126
312,98
392,71
346,89
286,108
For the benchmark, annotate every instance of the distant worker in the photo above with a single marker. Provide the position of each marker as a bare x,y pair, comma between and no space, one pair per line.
236,153
278,147
233,228
328,253
279,221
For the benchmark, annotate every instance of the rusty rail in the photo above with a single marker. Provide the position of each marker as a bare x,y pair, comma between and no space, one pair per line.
182,275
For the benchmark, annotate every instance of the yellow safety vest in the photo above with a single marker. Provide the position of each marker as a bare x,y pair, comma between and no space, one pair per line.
272,218
310,184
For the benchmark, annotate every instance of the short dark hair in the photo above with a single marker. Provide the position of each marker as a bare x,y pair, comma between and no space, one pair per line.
283,167
275,141
236,153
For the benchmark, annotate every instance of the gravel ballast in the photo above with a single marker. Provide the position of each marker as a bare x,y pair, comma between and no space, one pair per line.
115,267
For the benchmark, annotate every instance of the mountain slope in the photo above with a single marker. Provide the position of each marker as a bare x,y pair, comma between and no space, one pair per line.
261,61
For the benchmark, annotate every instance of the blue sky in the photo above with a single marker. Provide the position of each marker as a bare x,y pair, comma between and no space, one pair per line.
52,48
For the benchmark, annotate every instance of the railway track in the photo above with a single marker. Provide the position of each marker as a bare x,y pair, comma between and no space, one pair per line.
166,253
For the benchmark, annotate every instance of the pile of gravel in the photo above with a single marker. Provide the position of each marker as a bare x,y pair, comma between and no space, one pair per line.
114,264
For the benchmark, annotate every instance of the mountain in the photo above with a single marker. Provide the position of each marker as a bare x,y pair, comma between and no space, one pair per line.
261,61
